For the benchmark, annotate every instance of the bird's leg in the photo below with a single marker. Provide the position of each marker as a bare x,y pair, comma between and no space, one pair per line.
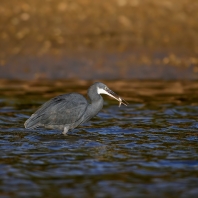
65,130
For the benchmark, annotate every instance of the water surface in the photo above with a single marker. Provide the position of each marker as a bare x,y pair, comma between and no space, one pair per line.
148,149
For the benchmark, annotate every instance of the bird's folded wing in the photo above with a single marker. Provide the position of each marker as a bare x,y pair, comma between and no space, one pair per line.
62,110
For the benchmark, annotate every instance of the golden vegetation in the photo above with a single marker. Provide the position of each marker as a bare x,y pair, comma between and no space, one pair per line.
58,27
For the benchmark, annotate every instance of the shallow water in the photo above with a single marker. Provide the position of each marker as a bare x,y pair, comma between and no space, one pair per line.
148,149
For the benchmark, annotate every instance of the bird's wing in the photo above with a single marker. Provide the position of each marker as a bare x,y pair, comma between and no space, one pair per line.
61,110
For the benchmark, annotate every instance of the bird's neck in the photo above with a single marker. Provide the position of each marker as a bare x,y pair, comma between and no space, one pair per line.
96,105
96,100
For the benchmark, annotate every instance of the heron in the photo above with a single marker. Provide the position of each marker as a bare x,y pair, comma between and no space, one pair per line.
66,112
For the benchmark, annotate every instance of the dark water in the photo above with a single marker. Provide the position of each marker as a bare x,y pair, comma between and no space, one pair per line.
148,149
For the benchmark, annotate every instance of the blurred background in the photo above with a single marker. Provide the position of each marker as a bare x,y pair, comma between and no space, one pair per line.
106,39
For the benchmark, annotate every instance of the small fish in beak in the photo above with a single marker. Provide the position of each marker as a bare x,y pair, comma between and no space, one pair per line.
114,95
121,102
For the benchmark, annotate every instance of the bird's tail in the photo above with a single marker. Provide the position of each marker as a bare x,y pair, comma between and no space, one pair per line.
32,122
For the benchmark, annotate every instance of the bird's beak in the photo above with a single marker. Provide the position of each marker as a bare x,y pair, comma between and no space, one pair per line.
108,91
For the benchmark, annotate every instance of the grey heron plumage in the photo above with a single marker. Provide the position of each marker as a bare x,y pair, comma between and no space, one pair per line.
67,111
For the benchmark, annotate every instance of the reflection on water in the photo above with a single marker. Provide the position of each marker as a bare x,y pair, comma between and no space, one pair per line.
149,148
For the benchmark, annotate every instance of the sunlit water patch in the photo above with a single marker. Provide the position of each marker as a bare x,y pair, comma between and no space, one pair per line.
147,149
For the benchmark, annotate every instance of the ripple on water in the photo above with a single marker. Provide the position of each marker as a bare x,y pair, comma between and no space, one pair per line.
149,148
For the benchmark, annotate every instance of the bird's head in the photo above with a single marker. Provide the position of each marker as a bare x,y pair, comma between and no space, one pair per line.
103,89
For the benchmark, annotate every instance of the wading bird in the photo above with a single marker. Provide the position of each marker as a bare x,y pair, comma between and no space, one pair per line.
67,111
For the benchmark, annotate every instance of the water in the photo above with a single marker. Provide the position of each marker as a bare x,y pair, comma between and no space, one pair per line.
148,149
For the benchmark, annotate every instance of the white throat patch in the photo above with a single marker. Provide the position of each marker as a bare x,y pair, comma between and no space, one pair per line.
101,91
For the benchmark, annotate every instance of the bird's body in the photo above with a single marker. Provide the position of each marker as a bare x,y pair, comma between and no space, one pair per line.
67,111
